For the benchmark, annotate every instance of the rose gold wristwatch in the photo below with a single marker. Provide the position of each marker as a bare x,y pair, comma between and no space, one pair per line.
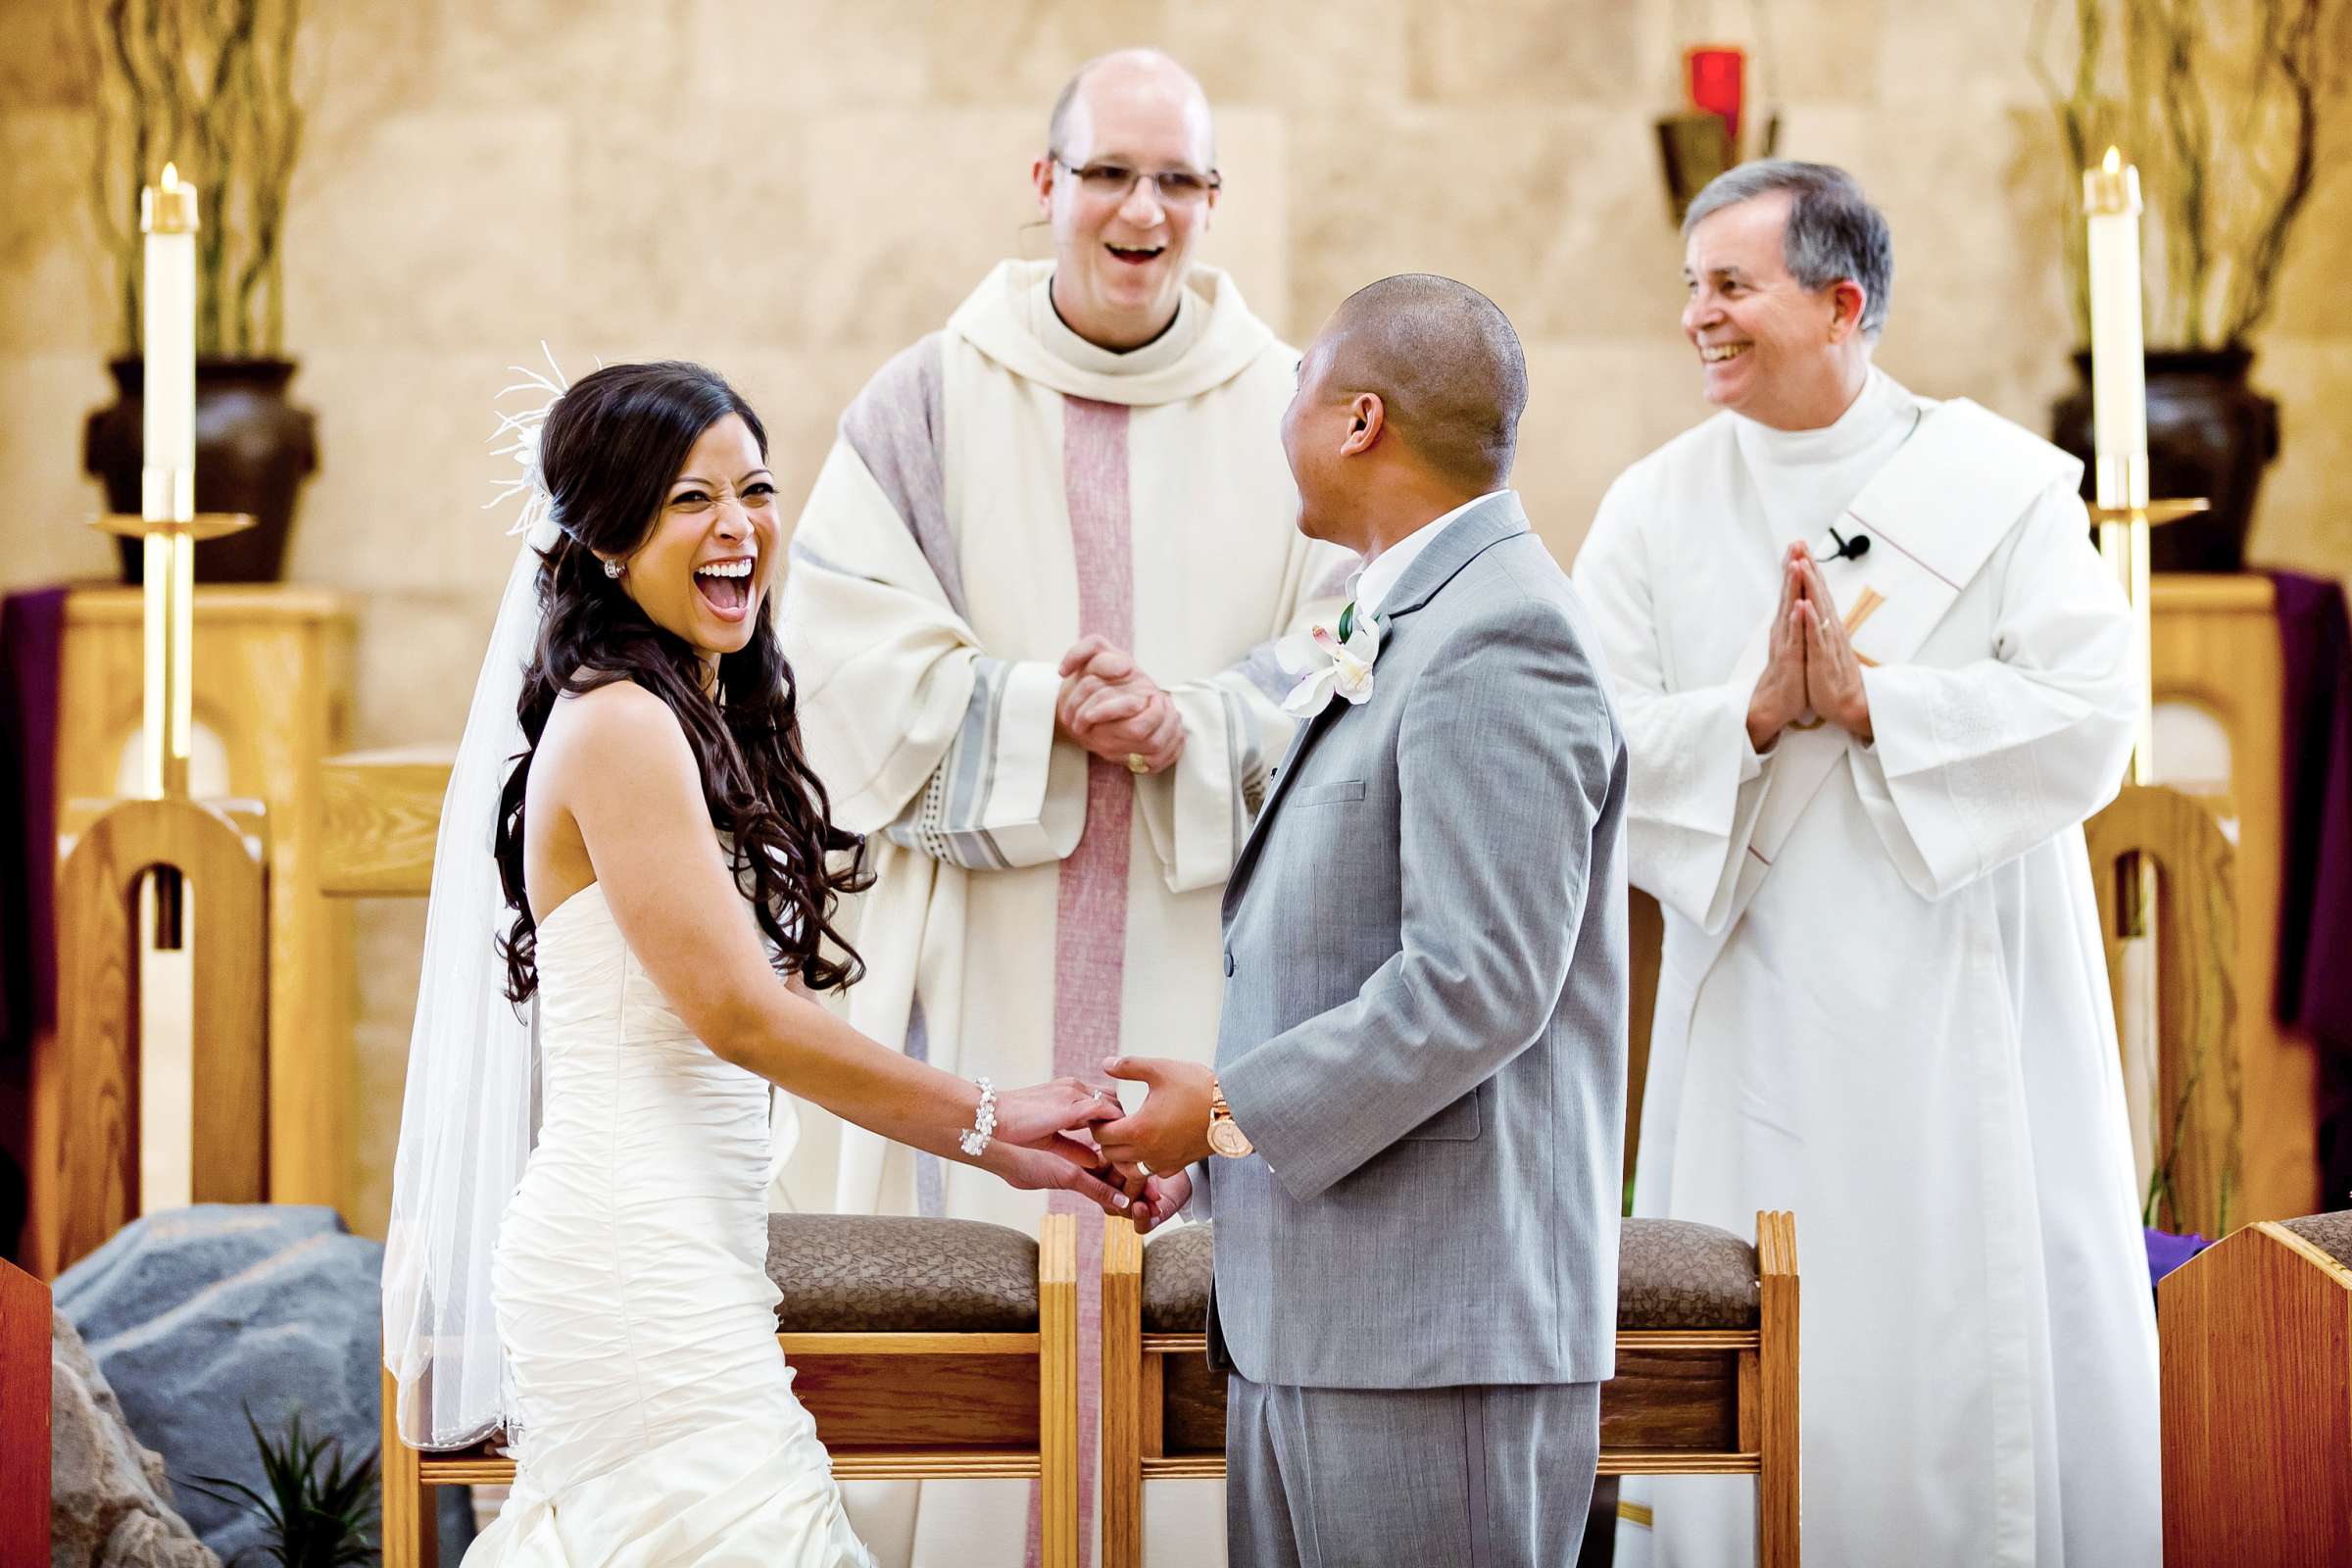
1225,1135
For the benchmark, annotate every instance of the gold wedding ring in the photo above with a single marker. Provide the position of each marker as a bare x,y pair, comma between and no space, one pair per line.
1135,764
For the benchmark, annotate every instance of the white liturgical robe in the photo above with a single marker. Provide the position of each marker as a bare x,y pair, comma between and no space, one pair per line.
998,491
1884,1001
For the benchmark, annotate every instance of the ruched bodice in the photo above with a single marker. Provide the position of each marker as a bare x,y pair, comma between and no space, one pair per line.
625,1087
655,1422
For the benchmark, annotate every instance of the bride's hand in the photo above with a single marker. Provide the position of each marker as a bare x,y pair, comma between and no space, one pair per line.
1033,1148
1065,1164
1034,1116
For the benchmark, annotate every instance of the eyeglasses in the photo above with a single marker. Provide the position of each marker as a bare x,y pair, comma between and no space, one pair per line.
1109,182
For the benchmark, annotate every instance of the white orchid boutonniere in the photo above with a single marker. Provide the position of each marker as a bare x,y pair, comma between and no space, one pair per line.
1328,661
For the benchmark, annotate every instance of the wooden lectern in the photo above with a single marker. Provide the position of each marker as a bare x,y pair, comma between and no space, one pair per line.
2257,1354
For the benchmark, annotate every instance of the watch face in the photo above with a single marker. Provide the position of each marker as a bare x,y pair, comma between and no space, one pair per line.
1226,1138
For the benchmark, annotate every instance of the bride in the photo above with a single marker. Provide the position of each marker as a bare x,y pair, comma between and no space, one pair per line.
657,884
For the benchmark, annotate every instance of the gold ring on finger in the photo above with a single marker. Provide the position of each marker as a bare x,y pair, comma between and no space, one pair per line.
1135,764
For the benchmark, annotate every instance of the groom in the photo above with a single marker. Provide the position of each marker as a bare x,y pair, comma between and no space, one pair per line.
1410,1140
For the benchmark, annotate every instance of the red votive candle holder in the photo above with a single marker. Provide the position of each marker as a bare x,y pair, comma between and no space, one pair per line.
1715,76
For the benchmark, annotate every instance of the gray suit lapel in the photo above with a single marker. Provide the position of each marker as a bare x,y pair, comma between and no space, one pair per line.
1464,540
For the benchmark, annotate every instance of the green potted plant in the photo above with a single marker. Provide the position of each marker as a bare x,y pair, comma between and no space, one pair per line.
2220,103
208,85
319,1505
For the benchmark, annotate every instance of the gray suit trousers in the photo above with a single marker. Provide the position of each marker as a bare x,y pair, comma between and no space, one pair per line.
1495,1476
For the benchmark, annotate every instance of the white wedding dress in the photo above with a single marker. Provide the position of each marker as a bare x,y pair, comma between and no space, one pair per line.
655,1423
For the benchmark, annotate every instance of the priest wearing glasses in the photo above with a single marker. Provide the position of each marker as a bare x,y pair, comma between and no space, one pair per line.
1031,603
1873,679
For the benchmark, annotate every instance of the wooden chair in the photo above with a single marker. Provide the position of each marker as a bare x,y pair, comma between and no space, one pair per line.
2255,1339
925,1348
1705,1385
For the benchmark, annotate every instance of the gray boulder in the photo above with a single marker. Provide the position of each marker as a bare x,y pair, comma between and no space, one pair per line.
198,1314
109,1505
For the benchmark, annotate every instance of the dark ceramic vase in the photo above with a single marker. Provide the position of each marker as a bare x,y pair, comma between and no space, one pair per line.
2209,434
253,451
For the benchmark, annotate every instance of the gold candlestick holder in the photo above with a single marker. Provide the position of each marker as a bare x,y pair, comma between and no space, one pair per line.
2124,514
171,529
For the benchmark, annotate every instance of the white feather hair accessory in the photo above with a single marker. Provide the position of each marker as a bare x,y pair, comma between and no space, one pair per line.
520,428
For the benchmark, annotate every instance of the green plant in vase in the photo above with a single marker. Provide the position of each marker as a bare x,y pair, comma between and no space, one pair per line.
318,1506
2223,106
210,86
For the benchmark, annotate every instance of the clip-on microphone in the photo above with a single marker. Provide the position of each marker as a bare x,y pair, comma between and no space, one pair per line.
1853,548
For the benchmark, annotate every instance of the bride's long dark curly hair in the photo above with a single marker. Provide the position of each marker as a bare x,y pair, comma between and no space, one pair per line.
609,450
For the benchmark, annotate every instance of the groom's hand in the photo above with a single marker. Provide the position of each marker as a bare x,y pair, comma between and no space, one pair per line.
1171,1129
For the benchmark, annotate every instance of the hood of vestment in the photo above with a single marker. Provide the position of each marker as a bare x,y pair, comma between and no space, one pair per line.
1228,342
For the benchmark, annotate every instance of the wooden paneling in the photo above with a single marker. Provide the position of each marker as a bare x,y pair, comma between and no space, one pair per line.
2256,1337
272,677
921,1401
1671,1401
24,1417
1192,1403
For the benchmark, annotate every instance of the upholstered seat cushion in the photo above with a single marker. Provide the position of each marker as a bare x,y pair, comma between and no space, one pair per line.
886,1274
1671,1274
2329,1232
1177,1267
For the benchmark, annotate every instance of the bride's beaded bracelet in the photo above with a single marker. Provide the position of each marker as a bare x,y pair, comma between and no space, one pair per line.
984,1125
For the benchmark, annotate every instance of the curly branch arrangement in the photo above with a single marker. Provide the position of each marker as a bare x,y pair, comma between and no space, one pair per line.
208,84
2221,104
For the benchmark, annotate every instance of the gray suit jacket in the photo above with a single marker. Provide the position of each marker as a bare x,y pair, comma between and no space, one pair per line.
1425,1002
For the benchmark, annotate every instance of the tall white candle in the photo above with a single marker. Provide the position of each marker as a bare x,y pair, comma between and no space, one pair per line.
2119,406
168,214
2118,362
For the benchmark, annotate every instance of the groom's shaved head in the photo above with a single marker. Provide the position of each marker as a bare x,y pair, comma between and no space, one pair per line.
1447,366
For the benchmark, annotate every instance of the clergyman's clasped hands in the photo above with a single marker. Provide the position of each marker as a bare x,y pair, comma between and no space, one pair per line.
1108,707
1810,661
1051,1136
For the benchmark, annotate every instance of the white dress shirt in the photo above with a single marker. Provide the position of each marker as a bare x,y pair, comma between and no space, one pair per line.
1373,581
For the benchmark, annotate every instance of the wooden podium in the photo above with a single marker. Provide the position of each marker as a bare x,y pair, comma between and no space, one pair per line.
2257,1350
2216,650
271,1016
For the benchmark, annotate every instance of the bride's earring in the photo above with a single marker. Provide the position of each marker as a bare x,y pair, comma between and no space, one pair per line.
613,568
